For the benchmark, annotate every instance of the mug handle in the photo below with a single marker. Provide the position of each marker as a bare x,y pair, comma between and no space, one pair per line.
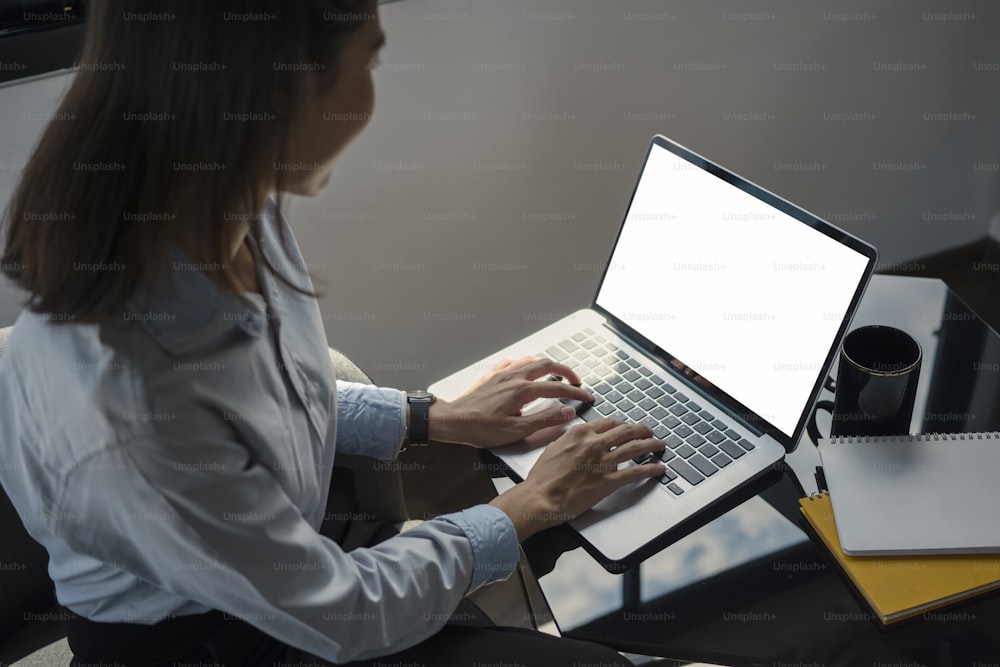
811,427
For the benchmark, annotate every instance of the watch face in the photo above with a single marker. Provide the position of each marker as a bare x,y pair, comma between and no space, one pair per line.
420,394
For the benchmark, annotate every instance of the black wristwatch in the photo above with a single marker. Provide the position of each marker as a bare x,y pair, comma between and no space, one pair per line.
420,415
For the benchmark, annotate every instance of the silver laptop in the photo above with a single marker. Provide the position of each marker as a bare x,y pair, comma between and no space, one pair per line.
719,311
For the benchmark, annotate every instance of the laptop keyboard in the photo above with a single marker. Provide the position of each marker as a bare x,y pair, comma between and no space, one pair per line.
698,443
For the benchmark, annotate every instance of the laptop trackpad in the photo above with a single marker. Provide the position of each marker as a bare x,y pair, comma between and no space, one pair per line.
522,455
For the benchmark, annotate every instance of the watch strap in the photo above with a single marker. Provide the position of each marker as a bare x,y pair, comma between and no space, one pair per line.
420,425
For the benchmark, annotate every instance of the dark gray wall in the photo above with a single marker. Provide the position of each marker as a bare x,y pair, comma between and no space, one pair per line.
484,195
503,133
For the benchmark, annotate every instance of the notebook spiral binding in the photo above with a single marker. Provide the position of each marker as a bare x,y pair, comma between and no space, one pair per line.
923,437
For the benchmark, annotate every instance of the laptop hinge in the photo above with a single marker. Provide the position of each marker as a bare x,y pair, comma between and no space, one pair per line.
747,424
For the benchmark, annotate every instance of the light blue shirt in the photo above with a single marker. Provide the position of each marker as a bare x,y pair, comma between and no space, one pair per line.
179,459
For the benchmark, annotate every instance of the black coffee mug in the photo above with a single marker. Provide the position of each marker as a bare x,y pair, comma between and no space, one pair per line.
876,384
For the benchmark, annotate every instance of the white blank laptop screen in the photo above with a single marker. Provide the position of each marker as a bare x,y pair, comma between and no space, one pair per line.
747,296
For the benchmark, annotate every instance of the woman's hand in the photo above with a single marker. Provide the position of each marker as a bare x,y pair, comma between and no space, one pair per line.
489,413
577,471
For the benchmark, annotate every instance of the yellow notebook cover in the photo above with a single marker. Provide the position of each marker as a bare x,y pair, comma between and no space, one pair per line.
899,587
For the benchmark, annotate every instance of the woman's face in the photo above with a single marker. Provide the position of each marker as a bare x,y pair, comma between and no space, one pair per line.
338,113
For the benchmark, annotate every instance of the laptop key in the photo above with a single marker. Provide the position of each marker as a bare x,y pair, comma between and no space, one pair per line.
602,389
667,400
634,394
590,379
569,345
643,383
613,396
616,380
654,392
647,404
632,362
603,370
685,451
659,412
732,435
667,455
681,397
556,353
624,368
696,440
690,418
678,409
715,437
660,431
721,460
673,442
645,371
690,475
683,431
676,490
703,428
631,375
707,416
589,331
601,353
621,355
731,448
625,405
708,451
658,381
703,465
671,421
600,338
578,337
605,408
636,414
746,444
693,407
719,424
669,387
580,355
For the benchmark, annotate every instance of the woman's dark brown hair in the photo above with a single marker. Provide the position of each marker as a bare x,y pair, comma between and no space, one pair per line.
173,128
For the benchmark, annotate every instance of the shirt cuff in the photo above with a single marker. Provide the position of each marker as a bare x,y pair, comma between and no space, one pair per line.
495,551
371,420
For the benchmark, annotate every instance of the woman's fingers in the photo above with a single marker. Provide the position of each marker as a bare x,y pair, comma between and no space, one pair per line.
536,368
631,450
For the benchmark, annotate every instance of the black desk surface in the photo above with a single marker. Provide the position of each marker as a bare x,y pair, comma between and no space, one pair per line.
750,588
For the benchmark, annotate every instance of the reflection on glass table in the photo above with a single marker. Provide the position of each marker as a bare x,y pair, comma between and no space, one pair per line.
749,532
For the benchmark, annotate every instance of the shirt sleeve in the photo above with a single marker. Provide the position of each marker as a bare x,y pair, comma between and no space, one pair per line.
494,543
371,420
197,516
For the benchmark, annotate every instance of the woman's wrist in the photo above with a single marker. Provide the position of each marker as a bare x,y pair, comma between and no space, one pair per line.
444,423
528,509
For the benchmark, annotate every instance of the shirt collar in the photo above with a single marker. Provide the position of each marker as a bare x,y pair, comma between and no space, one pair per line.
199,314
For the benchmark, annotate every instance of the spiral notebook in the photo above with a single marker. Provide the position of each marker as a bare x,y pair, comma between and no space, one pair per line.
898,587
923,494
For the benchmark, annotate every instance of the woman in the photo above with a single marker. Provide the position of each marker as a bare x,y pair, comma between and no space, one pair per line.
169,412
